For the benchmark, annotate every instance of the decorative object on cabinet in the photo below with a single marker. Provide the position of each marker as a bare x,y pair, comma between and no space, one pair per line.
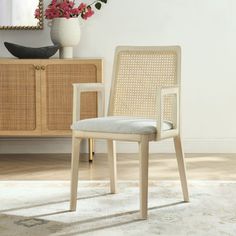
144,106
66,33
19,15
65,28
31,53
36,95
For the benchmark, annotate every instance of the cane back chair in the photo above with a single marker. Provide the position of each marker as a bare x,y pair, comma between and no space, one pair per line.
144,106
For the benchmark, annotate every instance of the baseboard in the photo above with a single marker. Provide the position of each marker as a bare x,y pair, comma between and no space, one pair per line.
167,146
63,145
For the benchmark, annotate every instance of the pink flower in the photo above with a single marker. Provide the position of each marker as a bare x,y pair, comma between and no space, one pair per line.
67,9
75,12
87,13
82,7
37,13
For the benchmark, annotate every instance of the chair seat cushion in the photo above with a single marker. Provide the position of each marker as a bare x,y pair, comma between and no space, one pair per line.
119,124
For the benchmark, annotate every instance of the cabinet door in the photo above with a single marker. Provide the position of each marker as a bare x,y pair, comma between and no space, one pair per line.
57,93
19,99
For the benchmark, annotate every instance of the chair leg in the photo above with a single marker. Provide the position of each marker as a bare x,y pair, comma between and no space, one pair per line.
143,178
181,166
111,147
74,172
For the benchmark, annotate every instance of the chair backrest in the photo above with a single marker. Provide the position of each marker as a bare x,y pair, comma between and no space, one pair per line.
137,74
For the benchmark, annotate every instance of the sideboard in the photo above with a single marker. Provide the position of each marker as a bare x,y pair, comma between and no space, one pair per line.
36,95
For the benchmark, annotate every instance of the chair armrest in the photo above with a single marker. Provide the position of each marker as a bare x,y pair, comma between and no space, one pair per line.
88,87
161,93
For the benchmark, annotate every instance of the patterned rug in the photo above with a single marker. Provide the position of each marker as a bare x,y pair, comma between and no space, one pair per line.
40,208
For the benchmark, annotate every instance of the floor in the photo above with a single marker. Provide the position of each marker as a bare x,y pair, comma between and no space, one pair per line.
162,167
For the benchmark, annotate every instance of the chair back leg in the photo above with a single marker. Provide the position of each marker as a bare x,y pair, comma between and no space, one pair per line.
181,167
111,147
74,172
143,178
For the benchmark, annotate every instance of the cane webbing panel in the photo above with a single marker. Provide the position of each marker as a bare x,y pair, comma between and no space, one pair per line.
17,97
60,78
138,74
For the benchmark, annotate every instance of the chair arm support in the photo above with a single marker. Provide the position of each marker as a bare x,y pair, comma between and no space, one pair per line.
88,87
161,93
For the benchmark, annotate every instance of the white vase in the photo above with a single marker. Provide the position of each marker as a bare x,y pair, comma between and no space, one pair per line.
66,33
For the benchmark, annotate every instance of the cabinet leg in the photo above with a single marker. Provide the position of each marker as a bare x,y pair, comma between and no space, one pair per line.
91,149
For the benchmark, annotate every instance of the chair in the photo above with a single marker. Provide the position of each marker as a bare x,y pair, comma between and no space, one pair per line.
144,106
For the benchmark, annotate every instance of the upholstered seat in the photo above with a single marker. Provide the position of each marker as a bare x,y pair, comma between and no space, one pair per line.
120,125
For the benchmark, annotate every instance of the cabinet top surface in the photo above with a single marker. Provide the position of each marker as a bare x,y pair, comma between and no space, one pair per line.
50,59
86,61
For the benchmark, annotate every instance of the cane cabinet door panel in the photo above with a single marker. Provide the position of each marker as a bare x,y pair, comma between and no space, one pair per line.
19,98
57,93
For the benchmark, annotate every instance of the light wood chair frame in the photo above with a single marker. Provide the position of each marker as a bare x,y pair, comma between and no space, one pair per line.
143,140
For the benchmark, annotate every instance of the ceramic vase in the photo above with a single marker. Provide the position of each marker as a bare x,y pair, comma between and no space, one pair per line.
66,33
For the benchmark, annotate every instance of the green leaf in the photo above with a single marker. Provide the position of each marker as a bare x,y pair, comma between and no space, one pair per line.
104,1
98,5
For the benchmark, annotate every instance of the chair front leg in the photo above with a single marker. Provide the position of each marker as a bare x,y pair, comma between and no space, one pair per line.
111,147
74,172
143,178
181,166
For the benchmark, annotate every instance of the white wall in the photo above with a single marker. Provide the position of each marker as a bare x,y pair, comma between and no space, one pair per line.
206,30
5,12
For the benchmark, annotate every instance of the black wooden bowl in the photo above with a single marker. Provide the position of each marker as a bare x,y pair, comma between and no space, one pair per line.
31,53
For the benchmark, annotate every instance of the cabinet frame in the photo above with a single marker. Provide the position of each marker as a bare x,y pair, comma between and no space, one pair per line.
40,93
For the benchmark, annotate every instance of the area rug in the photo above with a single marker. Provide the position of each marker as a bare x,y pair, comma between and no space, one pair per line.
40,208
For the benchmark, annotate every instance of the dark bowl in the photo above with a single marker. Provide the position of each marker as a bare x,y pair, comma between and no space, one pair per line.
31,53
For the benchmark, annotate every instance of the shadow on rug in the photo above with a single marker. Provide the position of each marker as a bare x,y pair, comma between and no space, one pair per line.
40,208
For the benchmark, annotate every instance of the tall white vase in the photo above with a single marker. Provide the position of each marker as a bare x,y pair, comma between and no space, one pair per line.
66,33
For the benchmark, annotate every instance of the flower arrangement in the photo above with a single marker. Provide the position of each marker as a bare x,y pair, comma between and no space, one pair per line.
68,9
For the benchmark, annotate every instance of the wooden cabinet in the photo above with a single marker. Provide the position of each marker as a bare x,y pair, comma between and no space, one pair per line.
36,95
